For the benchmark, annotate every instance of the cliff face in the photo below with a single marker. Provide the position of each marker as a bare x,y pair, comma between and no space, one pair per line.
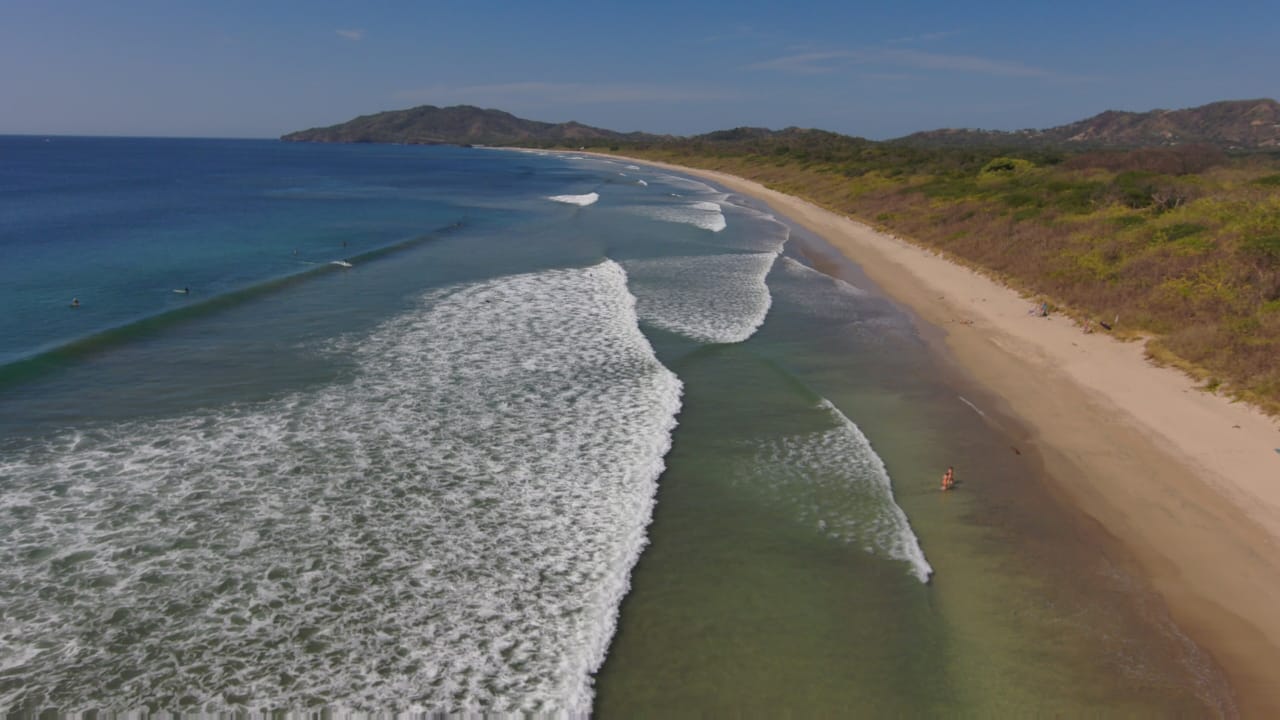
457,125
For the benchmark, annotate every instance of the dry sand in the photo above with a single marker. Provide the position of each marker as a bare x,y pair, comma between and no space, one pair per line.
1187,481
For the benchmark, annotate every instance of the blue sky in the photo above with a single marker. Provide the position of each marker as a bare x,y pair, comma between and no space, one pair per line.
880,70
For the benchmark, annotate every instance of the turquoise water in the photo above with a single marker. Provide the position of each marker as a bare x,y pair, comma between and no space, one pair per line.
422,482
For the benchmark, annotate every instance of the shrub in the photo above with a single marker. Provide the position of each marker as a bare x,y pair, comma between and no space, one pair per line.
1268,246
1178,231
1184,160
1006,166
1134,188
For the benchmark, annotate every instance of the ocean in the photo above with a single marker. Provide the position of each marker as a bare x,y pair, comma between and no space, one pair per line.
428,429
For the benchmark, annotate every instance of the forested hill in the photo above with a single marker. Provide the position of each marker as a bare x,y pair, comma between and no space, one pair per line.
1230,125
459,125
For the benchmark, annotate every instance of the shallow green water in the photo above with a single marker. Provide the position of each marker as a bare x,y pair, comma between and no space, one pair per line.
738,607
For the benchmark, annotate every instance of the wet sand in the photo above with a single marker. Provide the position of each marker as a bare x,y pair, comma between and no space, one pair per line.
1186,481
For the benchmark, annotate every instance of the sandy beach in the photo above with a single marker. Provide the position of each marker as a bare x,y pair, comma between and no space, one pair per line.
1184,480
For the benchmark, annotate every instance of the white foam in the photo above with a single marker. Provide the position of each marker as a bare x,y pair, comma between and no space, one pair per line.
710,298
581,200
822,292
688,184
834,480
818,295
822,296
633,167
703,214
975,408
449,531
760,232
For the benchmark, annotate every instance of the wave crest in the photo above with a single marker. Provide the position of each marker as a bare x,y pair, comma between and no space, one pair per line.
835,480
710,298
580,200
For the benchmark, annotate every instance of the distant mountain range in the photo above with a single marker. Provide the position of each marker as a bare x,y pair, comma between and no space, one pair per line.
1231,124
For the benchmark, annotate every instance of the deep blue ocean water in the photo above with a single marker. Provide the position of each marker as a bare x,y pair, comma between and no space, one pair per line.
397,441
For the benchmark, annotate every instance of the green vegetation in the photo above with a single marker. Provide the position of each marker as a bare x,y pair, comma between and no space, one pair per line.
459,125
1181,244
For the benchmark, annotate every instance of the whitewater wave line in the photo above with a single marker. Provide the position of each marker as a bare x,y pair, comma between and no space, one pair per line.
580,200
450,531
835,480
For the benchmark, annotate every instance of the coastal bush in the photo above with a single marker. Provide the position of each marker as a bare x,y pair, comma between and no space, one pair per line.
1265,246
1075,197
1134,188
1182,160
1177,231
1127,221
1004,166
1022,199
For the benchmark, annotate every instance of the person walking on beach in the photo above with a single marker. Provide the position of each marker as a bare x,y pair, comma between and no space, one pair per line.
949,478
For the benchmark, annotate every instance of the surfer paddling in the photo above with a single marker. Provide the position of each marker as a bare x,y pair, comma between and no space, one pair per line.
949,479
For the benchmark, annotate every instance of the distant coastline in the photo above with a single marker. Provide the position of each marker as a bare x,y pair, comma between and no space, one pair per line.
1163,225
1181,478
1228,124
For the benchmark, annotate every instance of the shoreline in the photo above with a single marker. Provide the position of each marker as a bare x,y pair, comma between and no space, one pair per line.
1182,479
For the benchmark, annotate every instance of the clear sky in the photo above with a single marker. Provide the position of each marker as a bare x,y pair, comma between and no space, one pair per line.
227,68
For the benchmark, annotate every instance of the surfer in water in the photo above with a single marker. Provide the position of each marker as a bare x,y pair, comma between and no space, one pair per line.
949,478
75,302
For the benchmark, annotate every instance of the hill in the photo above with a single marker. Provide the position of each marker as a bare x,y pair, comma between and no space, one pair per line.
1230,125
459,125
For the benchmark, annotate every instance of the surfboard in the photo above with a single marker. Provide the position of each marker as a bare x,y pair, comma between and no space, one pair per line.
341,263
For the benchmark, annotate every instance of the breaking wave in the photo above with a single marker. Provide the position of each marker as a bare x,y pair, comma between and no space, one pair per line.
710,298
580,200
834,480
704,214
449,531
